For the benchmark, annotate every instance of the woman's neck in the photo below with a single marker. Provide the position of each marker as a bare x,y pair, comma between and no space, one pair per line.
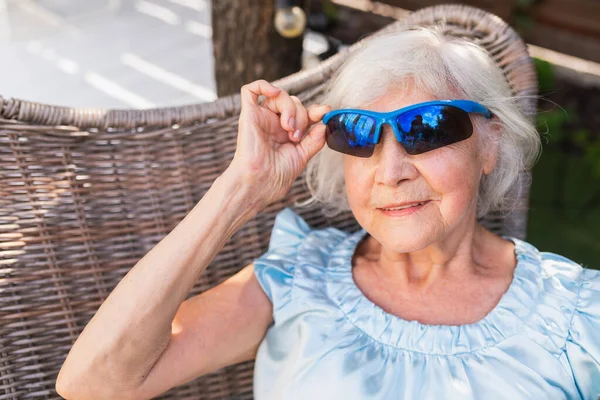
470,252
416,286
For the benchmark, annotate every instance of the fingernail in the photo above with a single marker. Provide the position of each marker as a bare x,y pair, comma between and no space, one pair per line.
297,134
293,123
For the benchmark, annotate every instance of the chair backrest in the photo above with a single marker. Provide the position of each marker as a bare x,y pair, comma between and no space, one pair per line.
86,193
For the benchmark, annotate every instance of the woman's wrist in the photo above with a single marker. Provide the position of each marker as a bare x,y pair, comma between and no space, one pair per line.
241,199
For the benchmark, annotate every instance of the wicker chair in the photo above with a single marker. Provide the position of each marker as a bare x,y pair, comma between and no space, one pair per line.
85,193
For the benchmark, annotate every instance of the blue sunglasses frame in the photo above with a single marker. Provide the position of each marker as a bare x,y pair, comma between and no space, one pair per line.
390,118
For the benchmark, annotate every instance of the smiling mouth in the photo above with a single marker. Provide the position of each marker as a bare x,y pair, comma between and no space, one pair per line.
404,207
404,210
416,204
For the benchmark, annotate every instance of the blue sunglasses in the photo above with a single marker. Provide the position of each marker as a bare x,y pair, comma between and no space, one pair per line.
420,127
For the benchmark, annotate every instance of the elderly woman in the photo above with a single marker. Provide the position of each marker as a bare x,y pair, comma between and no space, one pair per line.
418,136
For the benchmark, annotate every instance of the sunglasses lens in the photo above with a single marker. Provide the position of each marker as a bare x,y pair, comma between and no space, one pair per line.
431,127
351,133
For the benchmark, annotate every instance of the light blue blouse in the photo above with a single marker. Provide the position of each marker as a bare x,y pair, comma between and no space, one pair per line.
329,341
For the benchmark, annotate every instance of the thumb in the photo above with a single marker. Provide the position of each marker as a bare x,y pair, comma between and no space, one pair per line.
313,141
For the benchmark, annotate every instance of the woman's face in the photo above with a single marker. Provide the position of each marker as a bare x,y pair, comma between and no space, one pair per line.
447,178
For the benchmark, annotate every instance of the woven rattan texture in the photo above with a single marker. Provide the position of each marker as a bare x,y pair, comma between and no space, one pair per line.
85,193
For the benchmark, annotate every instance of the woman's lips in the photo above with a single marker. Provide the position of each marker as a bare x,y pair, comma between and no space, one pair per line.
405,211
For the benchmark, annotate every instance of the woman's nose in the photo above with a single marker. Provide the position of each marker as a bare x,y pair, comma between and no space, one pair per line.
394,164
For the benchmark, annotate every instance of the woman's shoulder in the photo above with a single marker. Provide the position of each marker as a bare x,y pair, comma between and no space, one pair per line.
566,286
585,279
580,280
293,245
290,230
579,286
555,266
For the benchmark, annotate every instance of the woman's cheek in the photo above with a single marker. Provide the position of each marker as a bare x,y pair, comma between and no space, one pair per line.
357,191
451,169
358,187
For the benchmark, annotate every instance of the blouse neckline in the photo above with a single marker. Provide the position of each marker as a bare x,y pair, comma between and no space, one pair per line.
506,319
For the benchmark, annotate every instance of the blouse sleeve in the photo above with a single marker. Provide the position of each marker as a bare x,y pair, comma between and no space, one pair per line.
583,341
274,269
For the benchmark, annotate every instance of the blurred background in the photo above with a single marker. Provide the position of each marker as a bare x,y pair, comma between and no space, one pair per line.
153,53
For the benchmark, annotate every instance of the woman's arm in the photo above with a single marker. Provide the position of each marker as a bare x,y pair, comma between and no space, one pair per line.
123,341
222,326
143,340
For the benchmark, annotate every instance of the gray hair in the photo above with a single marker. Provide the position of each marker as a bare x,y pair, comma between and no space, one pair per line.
441,65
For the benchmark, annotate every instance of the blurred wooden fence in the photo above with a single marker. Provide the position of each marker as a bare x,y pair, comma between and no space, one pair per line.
567,26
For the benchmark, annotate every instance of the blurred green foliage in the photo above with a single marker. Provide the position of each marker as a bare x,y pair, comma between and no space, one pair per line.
564,214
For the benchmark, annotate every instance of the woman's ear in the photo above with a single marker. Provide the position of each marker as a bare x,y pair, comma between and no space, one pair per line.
490,154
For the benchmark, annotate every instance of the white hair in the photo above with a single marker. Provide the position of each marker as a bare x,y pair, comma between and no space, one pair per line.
441,65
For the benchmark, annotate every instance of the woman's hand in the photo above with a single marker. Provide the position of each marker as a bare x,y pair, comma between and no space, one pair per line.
276,139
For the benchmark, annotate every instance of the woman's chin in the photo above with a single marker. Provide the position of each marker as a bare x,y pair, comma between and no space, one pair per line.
406,238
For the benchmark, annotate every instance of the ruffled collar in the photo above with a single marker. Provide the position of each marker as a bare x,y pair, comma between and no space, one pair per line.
507,319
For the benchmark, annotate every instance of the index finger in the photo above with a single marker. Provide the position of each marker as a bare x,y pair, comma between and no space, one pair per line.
250,91
316,112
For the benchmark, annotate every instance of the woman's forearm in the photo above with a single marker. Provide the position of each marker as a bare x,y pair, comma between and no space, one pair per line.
132,327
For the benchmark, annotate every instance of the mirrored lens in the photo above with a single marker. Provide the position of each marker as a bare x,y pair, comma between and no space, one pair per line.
351,133
431,127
